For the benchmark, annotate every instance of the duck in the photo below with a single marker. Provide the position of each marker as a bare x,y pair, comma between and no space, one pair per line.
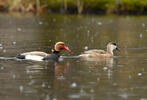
98,54
40,56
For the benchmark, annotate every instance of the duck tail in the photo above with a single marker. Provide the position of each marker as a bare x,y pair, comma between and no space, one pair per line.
19,56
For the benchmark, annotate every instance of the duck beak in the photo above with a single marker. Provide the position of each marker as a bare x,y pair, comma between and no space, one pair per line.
66,48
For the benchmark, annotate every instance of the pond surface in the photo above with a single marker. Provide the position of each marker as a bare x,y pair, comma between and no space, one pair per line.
123,77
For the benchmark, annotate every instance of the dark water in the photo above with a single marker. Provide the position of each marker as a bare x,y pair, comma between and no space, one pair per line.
123,77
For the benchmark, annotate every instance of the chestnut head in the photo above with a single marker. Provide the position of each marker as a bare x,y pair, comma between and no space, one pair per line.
61,46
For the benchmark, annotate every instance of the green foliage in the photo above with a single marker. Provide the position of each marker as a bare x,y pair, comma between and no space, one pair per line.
92,5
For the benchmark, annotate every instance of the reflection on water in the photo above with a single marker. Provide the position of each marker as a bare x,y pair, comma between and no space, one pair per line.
118,78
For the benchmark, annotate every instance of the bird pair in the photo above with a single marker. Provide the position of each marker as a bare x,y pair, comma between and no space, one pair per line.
40,56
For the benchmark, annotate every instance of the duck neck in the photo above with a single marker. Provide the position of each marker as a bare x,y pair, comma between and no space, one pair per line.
55,52
110,51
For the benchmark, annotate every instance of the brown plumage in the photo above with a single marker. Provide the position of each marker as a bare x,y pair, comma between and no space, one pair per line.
101,53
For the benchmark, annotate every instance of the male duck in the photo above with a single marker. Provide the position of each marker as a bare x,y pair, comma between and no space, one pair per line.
39,56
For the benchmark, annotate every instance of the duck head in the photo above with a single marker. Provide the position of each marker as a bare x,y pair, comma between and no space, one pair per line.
111,47
61,46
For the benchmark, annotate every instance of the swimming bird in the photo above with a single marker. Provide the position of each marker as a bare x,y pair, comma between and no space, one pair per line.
101,53
40,56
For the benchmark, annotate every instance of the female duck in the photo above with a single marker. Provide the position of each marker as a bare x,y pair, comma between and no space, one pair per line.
39,56
101,53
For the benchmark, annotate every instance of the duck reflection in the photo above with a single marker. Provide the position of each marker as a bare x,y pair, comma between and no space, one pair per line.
49,77
60,68
102,61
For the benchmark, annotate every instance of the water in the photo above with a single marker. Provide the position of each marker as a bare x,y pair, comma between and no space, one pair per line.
123,77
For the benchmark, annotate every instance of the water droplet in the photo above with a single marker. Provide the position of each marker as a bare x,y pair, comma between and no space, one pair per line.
13,76
1,45
114,84
14,43
31,82
19,29
27,71
140,35
143,25
49,86
61,59
2,68
60,77
73,85
98,79
40,23
143,99
47,97
54,20
124,95
21,88
99,23
130,76
86,47
4,51
91,90
81,91
43,84
139,74
105,68
54,98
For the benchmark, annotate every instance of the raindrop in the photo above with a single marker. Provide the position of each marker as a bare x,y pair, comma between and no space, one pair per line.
47,97
4,51
30,76
19,29
143,99
40,23
21,88
139,74
114,84
91,90
54,20
73,85
124,95
140,35
143,25
81,91
49,86
61,59
61,78
86,47
13,76
43,84
14,43
31,82
1,47
54,98
98,79
105,68
130,76
2,68
99,23
27,71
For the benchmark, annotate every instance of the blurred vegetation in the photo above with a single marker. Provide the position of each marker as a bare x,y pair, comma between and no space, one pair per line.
76,6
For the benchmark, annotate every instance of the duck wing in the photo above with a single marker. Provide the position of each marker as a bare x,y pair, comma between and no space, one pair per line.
95,51
35,53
